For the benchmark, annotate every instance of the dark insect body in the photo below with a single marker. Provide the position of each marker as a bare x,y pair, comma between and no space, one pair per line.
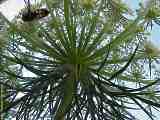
36,14
1,1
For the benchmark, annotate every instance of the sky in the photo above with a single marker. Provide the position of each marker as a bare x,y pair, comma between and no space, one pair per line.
155,32
11,8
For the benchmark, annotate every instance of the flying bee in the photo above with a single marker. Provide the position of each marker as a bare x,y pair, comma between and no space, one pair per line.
30,15
1,1
35,14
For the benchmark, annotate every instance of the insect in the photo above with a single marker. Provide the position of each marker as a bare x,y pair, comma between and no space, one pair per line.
1,1
30,15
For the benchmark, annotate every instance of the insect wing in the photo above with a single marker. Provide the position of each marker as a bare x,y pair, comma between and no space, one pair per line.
1,1
40,13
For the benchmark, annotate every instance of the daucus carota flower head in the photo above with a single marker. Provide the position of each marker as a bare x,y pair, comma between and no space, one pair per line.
150,10
87,4
150,49
3,39
152,13
121,6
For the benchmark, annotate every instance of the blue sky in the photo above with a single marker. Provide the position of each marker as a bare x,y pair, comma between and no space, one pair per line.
155,32
133,3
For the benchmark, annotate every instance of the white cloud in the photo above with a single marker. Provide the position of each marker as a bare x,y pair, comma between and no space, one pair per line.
10,8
